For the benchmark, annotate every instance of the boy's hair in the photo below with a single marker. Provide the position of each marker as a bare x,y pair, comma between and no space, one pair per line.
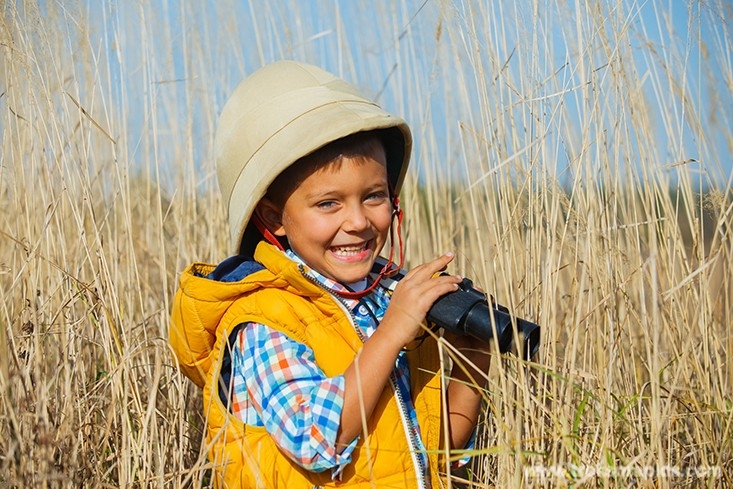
354,145
281,113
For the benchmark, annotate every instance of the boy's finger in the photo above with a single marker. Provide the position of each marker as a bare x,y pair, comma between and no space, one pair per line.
447,257
441,263
428,269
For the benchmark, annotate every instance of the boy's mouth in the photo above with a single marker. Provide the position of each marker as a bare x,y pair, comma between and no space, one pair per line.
351,251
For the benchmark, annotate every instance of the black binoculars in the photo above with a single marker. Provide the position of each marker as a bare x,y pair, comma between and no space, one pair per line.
468,311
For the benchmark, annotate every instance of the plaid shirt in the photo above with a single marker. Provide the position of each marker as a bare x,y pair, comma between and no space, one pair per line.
277,384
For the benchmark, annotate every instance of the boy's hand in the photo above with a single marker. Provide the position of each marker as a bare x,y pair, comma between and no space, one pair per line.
413,297
477,352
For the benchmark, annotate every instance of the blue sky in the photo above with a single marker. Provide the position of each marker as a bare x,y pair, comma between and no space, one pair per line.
455,70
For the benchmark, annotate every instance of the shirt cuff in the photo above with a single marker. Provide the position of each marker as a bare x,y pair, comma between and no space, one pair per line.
468,452
343,459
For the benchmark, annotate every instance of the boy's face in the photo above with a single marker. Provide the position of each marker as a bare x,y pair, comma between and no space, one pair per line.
337,219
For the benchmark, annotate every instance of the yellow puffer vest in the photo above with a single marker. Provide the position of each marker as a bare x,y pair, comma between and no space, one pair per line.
206,312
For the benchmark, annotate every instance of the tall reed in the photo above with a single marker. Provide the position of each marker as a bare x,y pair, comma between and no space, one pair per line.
576,156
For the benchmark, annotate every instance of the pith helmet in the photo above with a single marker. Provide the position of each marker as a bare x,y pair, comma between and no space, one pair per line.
279,114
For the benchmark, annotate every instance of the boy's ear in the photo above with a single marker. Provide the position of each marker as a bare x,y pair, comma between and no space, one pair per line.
270,215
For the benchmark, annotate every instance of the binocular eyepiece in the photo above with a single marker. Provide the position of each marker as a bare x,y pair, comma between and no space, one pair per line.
467,311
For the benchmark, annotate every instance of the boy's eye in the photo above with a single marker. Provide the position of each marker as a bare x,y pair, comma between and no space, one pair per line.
376,196
326,204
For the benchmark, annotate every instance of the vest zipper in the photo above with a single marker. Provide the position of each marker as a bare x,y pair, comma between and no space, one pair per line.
411,432
407,425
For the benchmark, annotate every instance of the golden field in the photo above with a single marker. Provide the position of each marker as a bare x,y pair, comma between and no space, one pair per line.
576,157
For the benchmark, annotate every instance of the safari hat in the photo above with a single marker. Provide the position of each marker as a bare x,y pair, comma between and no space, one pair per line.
277,115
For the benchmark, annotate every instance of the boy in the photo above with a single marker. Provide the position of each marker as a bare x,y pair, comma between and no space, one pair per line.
314,373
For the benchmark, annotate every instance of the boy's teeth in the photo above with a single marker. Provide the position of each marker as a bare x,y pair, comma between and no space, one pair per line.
346,250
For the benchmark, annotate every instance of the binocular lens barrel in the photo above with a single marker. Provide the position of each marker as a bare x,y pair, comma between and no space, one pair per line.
478,323
531,335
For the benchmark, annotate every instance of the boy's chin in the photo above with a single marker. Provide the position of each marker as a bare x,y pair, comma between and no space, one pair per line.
352,276
351,273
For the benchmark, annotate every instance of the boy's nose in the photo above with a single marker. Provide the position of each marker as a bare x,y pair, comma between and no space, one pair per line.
356,220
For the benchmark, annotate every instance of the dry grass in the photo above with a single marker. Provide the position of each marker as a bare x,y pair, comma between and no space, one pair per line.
572,157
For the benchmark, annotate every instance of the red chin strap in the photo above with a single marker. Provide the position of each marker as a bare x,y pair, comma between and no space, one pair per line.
387,270
271,238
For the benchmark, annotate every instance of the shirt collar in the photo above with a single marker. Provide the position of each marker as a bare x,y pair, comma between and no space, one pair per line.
325,281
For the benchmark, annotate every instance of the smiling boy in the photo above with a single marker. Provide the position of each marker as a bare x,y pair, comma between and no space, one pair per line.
311,371
336,209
